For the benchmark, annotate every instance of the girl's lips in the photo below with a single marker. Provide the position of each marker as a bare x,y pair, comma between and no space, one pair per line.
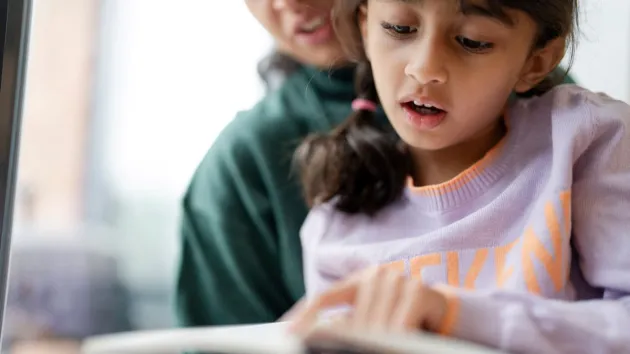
423,121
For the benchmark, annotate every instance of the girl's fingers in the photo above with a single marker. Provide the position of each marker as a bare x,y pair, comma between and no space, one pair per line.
344,293
390,291
367,297
289,315
380,298
410,311
340,320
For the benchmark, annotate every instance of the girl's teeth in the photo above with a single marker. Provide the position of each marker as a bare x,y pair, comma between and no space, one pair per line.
420,104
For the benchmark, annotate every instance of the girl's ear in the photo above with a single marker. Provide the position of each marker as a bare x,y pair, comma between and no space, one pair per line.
542,62
363,26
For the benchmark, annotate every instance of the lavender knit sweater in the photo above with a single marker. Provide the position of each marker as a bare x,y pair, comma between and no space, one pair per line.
533,240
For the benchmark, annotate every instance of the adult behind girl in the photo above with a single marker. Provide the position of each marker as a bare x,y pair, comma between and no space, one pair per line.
504,220
241,254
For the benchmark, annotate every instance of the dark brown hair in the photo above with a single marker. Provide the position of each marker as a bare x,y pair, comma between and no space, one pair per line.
364,167
274,68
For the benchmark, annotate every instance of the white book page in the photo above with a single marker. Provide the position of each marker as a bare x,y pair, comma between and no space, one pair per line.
401,343
254,339
272,338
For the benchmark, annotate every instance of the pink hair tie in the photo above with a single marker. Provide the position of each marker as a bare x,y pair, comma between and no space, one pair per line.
361,104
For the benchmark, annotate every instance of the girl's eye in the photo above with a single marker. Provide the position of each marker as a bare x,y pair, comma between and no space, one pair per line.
474,46
398,30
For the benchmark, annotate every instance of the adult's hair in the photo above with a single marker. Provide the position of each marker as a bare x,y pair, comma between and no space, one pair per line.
275,67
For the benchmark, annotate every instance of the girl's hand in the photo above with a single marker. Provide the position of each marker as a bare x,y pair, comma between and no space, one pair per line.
381,299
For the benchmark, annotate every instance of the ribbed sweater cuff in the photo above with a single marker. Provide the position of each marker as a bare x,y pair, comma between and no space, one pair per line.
471,317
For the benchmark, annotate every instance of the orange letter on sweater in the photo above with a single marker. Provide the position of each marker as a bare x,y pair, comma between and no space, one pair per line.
475,268
452,269
530,244
552,261
419,263
565,200
500,255
398,266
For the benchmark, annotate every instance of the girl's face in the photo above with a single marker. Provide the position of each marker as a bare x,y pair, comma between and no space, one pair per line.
464,61
301,29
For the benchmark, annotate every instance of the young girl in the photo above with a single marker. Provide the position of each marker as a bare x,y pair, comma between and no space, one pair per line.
490,218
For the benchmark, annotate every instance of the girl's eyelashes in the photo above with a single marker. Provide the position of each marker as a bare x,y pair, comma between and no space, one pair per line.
398,31
474,46
404,32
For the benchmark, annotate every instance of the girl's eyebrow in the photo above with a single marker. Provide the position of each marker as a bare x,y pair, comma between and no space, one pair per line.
469,9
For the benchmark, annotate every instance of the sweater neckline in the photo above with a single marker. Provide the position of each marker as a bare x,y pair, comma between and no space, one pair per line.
470,183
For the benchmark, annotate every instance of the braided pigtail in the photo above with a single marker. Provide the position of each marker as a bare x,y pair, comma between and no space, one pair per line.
359,163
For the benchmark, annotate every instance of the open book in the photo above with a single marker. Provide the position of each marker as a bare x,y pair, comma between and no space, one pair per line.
274,339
